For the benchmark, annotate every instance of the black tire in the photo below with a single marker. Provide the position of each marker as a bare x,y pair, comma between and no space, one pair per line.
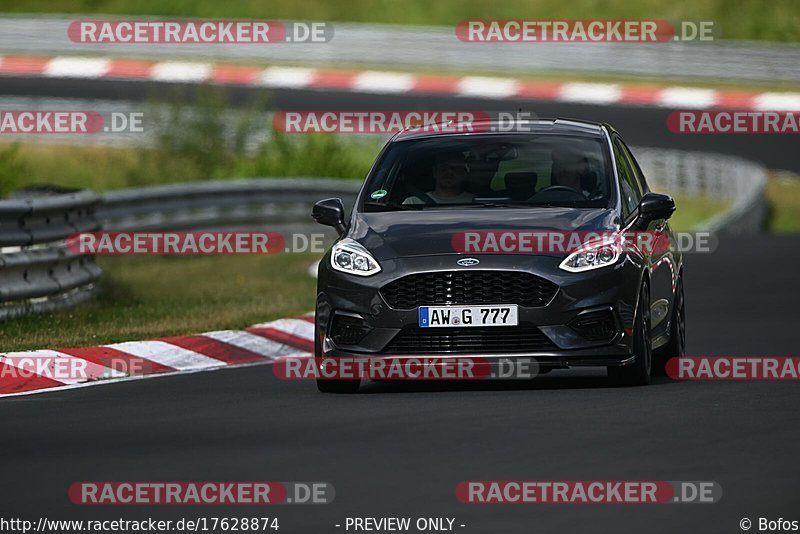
638,372
338,386
676,347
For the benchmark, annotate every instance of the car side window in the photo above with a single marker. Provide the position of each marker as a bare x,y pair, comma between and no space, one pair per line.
641,182
627,180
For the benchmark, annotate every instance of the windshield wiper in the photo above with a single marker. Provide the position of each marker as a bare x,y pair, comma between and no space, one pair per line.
489,204
394,206
454,205
564,204
498,204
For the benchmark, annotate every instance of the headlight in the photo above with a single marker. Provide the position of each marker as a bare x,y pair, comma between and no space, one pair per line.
349,256
592,256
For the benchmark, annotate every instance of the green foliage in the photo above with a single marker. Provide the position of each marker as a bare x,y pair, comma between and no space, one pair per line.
212,140
201,136
12,169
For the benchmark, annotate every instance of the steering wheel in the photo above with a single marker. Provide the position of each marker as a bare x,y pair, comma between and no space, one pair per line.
563,188
420,194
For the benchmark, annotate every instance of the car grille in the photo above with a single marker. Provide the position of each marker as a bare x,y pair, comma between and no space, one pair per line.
474,340
469,287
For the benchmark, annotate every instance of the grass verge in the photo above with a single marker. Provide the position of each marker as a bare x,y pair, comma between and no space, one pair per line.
693,211
145,297
190,143
783,196
103,168
203,141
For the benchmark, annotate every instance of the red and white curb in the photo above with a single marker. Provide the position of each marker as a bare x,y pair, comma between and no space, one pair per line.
36,371
378,82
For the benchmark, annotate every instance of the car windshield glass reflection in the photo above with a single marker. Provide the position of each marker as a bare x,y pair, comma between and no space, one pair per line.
490,172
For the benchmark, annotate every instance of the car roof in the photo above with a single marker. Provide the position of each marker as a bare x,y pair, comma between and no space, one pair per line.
578,128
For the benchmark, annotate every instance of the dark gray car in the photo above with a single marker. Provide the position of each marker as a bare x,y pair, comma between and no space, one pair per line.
504,245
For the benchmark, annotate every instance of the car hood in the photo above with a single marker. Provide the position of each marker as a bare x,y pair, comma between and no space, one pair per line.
394,234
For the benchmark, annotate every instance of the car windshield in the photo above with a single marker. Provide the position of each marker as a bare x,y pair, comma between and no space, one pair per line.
499,171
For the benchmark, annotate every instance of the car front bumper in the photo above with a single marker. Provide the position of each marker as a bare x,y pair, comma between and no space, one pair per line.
613,289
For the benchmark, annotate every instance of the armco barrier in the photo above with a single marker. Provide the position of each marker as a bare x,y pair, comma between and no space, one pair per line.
714,176
38,274
220,203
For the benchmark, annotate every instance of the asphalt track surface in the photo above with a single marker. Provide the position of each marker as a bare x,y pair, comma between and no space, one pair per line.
400,449
640,126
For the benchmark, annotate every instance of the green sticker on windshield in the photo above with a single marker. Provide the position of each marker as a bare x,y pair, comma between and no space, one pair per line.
380,193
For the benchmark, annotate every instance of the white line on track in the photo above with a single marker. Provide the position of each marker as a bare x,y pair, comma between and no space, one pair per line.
590,93
488,87
58,366
383,82
167,354
246,340
291,77
77,67
176,71
687,98
297,327
778,102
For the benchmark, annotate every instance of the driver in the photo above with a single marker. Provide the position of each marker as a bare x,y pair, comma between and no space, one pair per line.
569,165
449,171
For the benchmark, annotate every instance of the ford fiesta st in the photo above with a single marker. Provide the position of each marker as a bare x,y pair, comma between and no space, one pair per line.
442,254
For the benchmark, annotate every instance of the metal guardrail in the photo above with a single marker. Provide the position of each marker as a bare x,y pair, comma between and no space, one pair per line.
219,203
38,273
714,176
436,47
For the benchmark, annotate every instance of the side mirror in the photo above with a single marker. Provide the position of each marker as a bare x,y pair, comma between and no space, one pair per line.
330,212
655,206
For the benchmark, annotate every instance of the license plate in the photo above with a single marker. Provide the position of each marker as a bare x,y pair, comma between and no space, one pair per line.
461,316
